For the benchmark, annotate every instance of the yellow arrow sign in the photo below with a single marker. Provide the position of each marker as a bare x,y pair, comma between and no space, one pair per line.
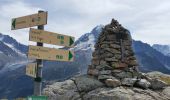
29,21
45,53
31,69
50,38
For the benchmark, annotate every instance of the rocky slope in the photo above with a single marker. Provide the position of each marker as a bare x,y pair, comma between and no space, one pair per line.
88,88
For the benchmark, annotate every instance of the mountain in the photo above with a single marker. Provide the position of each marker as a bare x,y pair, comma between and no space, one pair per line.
164,49
16,82
151,59
11,52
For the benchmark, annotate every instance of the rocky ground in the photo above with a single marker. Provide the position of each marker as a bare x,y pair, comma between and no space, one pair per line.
88,88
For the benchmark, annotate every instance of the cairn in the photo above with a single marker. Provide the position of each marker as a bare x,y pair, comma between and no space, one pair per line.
113,60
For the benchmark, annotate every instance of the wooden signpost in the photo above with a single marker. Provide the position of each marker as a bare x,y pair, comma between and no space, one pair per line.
50,38
29,21
50,53
31,70
39,52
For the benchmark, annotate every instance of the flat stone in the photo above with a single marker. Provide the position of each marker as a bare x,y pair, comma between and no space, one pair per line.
104,66
117,56
128,81
116,46
105,72
95,62
93,72
111,37
112,50
104,46
102,62
113,59
106,55
133,63
104,77
119,65
123,74
131,58
116,71
112,82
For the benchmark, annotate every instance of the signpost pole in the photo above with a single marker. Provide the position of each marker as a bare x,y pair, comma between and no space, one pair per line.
38,79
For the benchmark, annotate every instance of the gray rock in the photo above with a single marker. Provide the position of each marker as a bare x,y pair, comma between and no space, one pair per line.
157,84
166,91
123,74
87,83
128,81
115,46
112,82
118,93
104,77
113,59
105,72
62,91
93,72
95,62
143,83
113,50
104,66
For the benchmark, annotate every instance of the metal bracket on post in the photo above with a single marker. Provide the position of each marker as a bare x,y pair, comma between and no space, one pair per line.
38,79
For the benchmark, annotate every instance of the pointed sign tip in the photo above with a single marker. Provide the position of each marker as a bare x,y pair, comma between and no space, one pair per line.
71,41
13,23
70,56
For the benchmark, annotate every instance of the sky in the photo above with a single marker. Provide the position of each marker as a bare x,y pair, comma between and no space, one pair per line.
147,20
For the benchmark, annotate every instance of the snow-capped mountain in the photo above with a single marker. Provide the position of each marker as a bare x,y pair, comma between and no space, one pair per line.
164,49
88,40
11,52
13,44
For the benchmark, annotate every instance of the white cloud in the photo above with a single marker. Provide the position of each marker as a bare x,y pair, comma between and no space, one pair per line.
148,20
12,10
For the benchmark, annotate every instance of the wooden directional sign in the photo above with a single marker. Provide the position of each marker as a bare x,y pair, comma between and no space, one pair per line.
29,21
50,38
38,52
31,69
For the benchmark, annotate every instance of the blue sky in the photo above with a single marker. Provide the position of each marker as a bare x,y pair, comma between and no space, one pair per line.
147,20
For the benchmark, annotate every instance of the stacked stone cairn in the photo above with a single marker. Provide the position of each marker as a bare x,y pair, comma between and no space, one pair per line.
113,60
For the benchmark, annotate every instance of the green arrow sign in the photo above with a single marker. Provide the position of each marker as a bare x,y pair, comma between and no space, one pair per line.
13,23
71,41
70,56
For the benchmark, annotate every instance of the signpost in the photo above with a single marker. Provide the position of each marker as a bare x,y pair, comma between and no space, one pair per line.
31,70
39,52
29,21
50,38
50,53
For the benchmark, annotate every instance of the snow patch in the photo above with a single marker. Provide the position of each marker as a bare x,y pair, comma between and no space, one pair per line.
13,48
86,45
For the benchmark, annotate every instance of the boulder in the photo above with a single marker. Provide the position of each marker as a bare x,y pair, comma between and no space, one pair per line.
105,72
86,83
157,84
62,91
104,77
118,93
112,82
143,83
128,81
